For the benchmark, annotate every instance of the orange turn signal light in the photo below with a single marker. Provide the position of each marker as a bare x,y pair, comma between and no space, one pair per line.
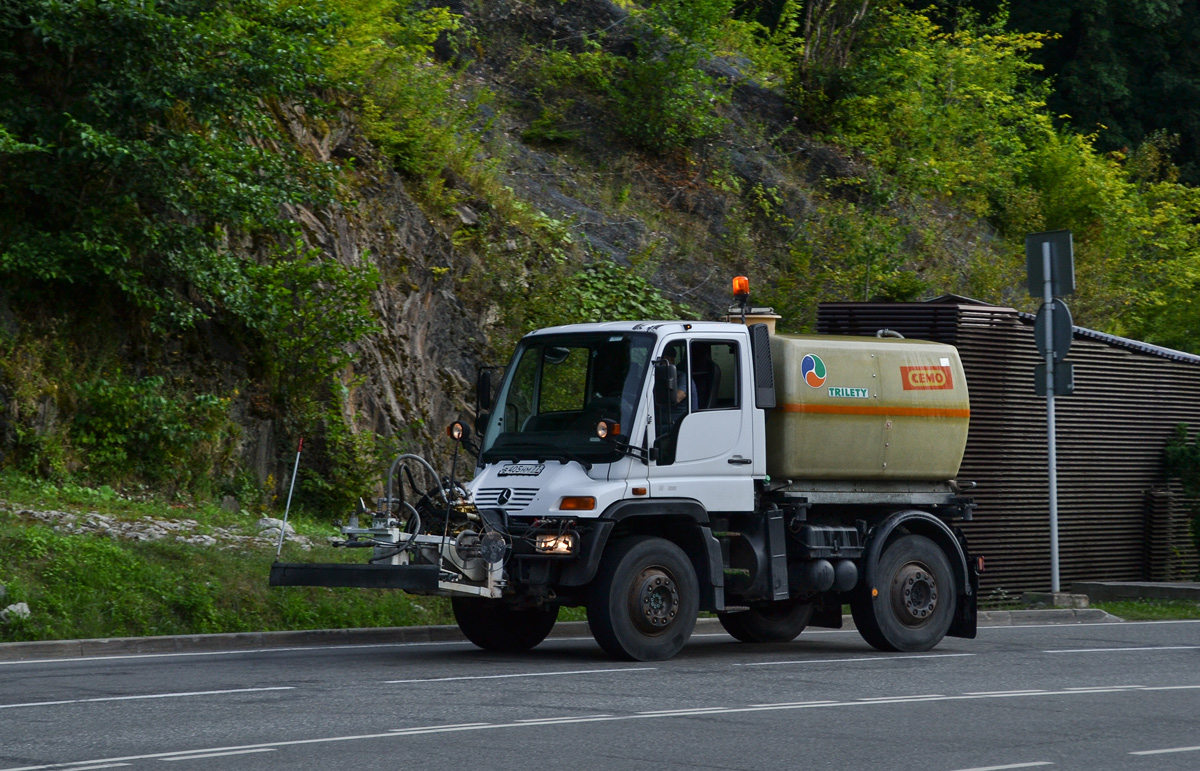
577,503
741,286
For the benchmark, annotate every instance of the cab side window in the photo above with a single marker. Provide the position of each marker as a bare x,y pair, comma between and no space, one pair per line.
714,375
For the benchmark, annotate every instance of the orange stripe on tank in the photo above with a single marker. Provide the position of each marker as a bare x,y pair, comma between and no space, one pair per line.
908,412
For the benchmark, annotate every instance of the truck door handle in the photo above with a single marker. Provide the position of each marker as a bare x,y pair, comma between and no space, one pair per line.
740,461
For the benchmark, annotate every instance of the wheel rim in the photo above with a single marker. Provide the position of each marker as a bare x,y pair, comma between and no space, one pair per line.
914,594
653,600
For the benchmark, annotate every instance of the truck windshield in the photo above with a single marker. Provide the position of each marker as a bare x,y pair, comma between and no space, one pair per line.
558,388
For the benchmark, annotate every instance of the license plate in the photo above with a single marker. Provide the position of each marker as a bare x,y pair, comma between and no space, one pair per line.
521,470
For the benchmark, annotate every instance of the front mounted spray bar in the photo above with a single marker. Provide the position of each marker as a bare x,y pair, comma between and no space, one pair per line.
431,541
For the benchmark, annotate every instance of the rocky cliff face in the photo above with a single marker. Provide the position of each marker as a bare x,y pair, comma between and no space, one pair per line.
416,374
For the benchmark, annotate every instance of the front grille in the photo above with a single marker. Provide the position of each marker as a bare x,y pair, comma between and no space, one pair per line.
519,497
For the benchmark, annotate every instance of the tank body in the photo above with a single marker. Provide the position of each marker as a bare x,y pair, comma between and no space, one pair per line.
866,409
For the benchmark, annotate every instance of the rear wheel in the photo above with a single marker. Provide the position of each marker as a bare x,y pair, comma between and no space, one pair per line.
771,622
494,626
912,603
644,600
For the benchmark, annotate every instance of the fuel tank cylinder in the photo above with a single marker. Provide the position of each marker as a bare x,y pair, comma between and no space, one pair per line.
864,408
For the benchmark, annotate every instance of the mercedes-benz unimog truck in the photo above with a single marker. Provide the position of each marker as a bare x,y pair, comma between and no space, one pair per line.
651,470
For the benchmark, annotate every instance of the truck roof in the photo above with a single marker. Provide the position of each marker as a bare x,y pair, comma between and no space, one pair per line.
711,327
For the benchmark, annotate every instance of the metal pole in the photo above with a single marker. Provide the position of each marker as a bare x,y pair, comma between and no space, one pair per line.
1048,299
286,509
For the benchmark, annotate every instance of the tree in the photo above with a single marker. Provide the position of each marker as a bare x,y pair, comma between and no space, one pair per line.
138,140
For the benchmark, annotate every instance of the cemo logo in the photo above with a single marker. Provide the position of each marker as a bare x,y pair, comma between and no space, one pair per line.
926,378
812,369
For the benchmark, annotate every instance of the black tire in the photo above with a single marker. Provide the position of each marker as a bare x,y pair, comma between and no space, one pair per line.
494,626
769,622
915,601
643,602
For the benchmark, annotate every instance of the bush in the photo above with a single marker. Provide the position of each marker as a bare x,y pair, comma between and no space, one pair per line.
126,428
663,100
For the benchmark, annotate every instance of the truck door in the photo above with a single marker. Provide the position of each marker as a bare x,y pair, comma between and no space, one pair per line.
705,440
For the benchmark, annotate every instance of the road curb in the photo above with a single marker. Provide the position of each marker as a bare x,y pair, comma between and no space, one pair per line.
1047,616
206,643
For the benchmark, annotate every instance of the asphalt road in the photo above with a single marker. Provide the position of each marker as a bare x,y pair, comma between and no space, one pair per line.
1090,696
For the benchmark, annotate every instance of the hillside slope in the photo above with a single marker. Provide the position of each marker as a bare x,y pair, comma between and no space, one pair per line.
589,160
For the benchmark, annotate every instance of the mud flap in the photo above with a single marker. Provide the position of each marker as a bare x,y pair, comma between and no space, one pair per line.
966,615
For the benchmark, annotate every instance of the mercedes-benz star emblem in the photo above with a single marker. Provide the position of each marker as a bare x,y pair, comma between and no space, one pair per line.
503,497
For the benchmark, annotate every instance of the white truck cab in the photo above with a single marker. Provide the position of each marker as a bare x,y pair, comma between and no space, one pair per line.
564,381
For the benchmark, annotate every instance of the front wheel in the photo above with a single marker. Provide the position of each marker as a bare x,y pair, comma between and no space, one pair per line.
912,603
770,622
644,600
494,626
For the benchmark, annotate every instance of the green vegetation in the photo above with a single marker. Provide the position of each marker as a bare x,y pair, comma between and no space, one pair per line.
82,587
1151,610
1125,69
663,99
91,585
958,116
151,135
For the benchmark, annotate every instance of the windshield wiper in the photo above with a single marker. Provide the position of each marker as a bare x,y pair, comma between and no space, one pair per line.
516,452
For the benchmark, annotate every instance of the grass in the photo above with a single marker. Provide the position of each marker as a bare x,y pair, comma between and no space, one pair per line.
1151,610
82,586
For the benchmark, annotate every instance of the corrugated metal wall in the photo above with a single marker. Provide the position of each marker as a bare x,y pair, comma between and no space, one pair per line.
1118,520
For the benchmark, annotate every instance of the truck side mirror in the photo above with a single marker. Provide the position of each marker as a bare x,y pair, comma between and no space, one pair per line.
483,391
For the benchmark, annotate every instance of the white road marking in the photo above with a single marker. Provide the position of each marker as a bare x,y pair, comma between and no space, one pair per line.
217,754
1021,692
561,719
685,711
1013,765
213,751
521,674
1171,687
795,704
145,696
443,727
96,768
1164,752
917,697
854,660
239,651
1101,687
1124,650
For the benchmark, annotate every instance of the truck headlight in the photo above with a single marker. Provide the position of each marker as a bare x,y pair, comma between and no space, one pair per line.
556,544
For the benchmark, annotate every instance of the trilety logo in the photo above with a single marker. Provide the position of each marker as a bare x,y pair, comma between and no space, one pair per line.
812,369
